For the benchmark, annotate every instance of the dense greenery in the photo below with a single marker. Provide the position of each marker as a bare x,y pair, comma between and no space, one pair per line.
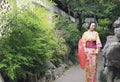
104,29
28,41
87,8
103,33
109,8
71,35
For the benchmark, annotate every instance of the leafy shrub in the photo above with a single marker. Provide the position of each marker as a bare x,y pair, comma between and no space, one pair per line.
71,35
103,33
28,41
104,22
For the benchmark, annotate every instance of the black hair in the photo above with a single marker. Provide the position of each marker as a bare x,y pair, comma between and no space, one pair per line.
91,23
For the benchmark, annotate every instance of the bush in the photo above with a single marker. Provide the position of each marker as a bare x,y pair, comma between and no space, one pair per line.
71,35
28,41
104,22
103,33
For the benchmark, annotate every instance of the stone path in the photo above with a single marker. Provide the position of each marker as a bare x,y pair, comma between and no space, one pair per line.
76,74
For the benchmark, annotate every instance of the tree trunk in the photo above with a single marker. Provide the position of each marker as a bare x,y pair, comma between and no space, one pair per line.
79,22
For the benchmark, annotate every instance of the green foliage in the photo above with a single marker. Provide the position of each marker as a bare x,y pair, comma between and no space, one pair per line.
28,41
71,35
103,29
104,22
108,9
104,9
103,33
60,52
57,60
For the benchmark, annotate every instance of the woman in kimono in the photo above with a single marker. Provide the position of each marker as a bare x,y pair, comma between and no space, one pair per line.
92,45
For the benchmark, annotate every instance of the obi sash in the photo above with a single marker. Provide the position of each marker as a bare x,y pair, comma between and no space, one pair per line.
91,44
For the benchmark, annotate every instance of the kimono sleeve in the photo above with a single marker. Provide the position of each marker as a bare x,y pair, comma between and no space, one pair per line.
84,41
98,42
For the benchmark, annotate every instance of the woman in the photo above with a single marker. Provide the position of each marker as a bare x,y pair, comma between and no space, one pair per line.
92,45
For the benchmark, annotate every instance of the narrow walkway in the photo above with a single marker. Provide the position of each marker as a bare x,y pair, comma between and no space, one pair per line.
76,74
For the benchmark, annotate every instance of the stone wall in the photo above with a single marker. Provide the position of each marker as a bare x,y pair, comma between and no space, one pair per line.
54,72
